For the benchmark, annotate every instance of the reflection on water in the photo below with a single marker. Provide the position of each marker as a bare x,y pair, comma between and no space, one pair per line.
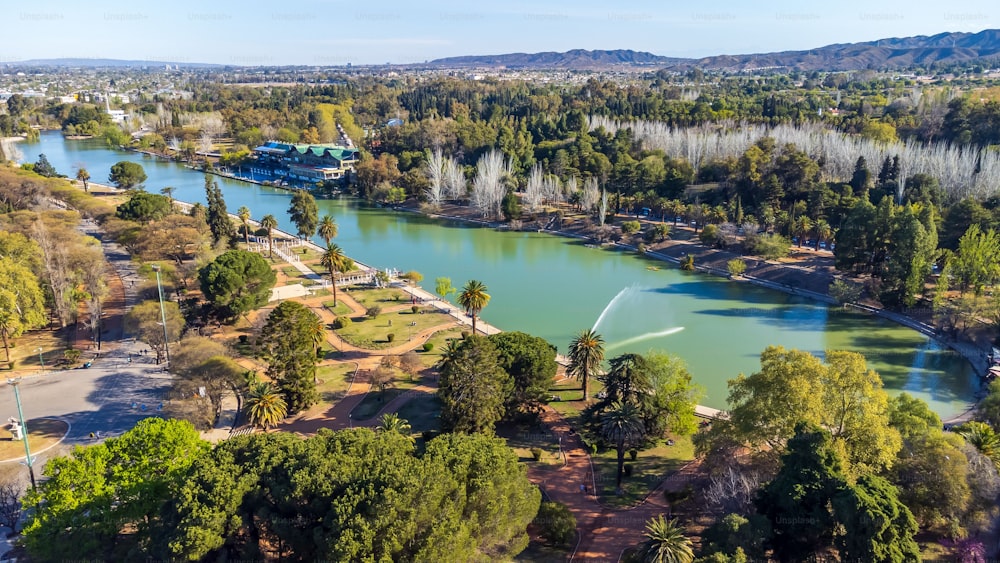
554,287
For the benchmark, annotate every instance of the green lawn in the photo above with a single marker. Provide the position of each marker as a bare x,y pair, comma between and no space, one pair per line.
383,296
647,470
368,333
334,381
423,412
522,439
339,309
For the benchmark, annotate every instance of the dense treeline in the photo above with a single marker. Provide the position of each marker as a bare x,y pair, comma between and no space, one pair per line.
160,491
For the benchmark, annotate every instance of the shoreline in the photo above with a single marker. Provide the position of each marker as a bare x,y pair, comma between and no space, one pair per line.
968,350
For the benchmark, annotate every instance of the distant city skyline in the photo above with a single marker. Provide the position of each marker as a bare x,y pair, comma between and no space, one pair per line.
337,32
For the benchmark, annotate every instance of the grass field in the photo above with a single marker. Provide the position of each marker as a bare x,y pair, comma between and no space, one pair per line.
648,469
373,333
334,381
423,412
339,309
383,296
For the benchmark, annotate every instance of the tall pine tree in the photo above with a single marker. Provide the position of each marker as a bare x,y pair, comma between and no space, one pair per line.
218,218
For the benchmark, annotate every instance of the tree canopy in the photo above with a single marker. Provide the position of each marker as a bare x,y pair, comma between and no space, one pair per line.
144,207
236,282
473,387
304,213
287,343
127,175
531,363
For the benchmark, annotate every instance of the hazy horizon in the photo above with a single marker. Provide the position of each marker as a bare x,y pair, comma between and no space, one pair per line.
335,32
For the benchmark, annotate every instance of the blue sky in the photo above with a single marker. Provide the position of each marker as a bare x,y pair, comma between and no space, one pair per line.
331,32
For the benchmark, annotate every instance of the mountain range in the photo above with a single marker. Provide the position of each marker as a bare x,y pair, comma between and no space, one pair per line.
901,52
897,52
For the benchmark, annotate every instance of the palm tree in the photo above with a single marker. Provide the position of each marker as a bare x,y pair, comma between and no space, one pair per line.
622,426
269,223
265,407
982,437
586,352
244,214
334,260
328,229
317,334
83,176
823,231
665,543
474,298
391,422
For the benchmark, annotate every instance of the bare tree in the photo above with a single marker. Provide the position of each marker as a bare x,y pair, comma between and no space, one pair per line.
435,170
732,490
489,187
534,191
205,142
174,144
11,490
455,188
591,195
603,209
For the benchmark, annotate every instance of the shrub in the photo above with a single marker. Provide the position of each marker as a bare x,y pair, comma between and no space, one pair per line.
466,334
428,346
373,311
556,524
633,454
736,267
390,337
628,469
320,353
640,248
631,227
414,309
768,246
536,453
342,322
244,339
687,263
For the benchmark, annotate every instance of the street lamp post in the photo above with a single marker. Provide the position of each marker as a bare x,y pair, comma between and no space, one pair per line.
24,429
163,315
40,359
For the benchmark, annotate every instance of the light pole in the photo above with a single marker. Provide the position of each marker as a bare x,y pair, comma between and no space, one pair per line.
163,316
40,359
24,429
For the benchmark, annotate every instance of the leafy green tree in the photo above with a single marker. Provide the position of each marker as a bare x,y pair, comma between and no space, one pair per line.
127,175
304,212
218,217
44,168
734,536
236,282
844,291
988,409
474,299
144,207
556,524
443,287
665,543
736,267
622,426
982,437
793,386
104,501
286,343
909,263
366,496
328,229
269,223
877,526
977,263
586,354
143,320
812,506
531,363
243,213
473,387
264,406
22,303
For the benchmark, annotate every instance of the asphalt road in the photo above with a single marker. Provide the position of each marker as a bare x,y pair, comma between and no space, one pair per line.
96,399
